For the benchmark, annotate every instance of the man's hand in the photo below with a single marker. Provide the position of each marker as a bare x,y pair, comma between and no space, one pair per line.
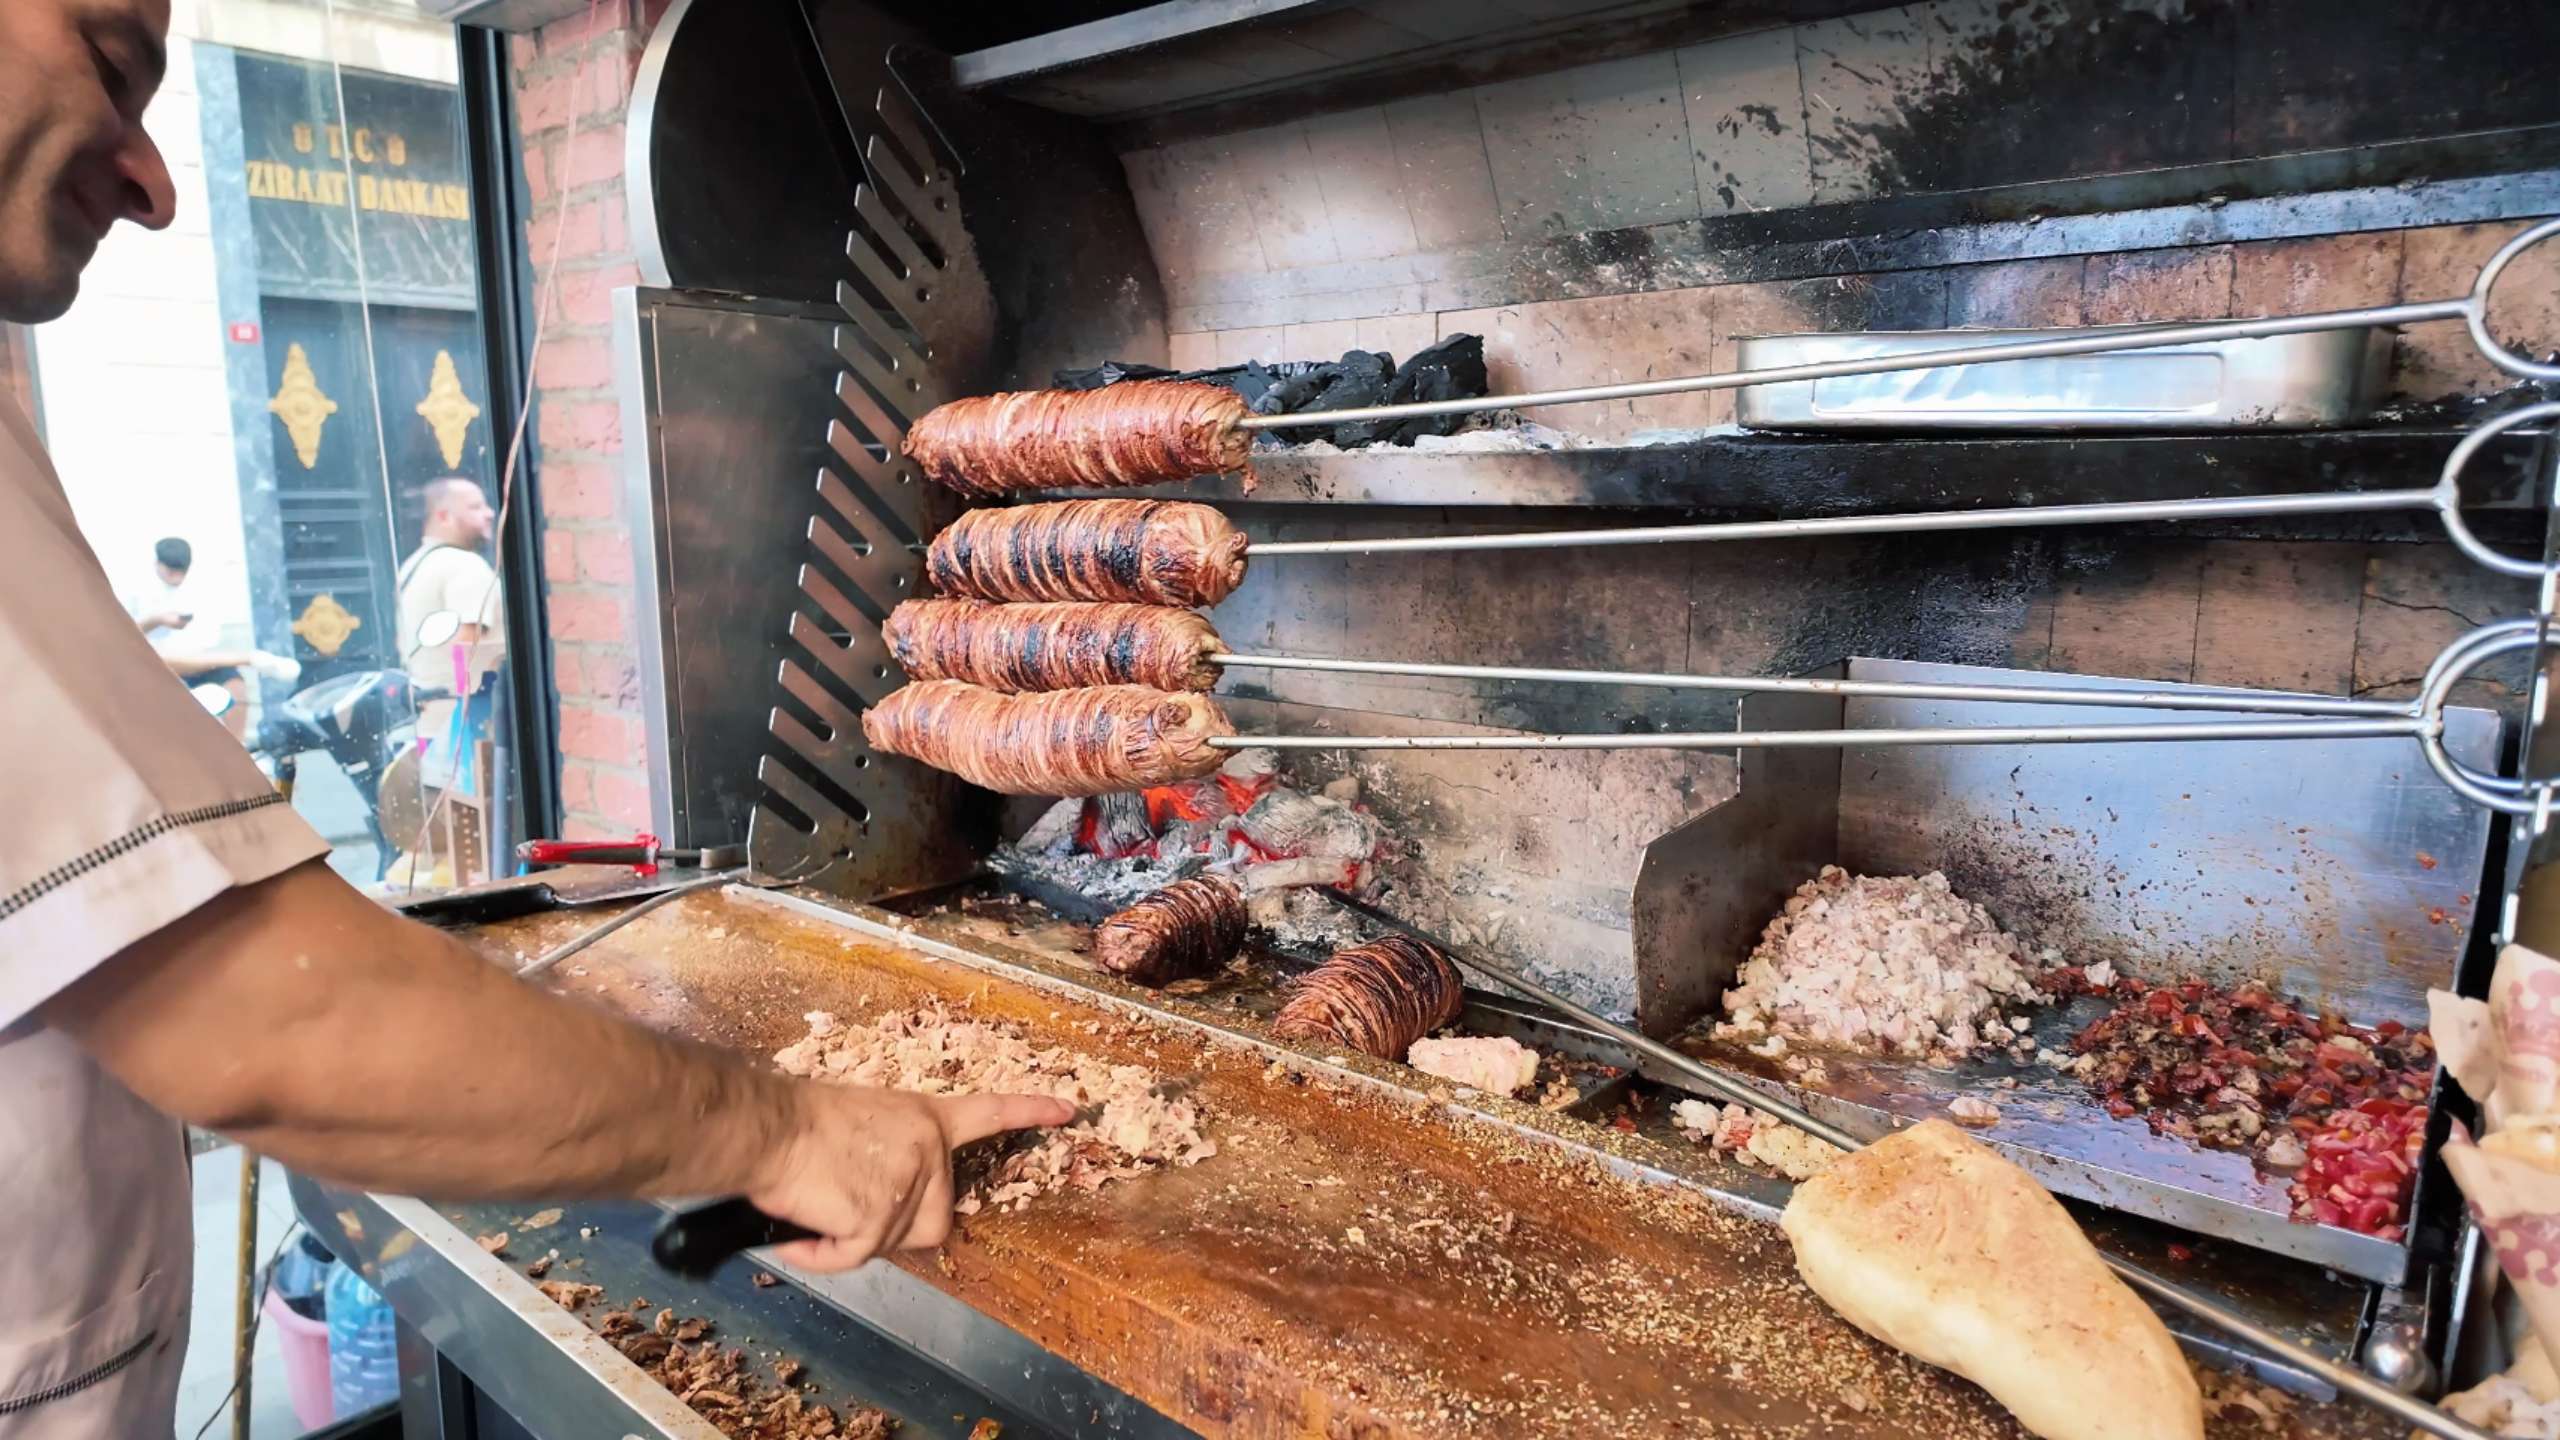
166,620
871,1169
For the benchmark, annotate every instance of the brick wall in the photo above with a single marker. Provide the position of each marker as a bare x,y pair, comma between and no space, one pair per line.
576,75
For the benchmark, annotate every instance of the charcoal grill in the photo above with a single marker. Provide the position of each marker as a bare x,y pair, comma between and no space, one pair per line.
1503,644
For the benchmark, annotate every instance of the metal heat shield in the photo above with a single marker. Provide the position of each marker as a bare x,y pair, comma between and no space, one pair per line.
2342,872
728,401
2287,382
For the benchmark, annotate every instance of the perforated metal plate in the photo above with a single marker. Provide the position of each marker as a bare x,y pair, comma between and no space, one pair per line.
918,315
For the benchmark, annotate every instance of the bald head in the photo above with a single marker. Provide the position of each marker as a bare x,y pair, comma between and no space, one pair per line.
457,512
74,78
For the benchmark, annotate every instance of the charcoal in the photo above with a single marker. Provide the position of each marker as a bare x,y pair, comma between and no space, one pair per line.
1453,369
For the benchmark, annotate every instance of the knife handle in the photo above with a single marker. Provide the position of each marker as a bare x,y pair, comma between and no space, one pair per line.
693,1242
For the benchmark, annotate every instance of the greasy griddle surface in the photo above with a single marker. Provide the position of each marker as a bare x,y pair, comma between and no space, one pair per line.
1348,1264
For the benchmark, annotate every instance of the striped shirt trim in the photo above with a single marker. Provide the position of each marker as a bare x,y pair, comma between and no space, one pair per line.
125,844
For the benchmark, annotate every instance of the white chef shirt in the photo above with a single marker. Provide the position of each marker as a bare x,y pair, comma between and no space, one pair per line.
127,807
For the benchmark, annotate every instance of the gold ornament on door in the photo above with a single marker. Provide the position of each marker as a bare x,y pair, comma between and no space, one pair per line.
326,624
302,407
447,410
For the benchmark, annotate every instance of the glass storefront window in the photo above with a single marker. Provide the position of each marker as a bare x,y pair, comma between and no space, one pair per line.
273,422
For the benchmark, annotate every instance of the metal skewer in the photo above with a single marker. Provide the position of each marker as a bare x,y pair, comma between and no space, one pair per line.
2253,702
2472,310
2144,338
2444,497
2113,512
2408,726
2347,1378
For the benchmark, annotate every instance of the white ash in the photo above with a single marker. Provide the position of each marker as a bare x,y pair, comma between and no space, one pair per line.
1115,883
1894,964
1128,1125
1495,437
1753,1138
1300,872
1304,923
1293,822
1054,833
1497,1065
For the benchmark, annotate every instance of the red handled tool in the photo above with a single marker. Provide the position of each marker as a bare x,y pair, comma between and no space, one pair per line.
641,852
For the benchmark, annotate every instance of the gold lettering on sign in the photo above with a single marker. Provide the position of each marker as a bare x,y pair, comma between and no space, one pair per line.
447,410
304,410
302,136
396,149
382,194
326,624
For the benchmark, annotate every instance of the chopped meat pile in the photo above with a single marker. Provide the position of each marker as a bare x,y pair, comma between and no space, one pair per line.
1126,1125
570,1294
1751,1137
1498,1065
719,1385
1896,964
1966,1110
2244,1069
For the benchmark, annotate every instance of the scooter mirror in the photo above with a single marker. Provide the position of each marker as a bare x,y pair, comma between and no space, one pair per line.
439,628
215,699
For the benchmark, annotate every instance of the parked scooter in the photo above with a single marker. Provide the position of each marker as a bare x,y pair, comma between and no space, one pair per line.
362,720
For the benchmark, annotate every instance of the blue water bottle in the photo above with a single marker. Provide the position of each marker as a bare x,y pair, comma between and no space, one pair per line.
364,1363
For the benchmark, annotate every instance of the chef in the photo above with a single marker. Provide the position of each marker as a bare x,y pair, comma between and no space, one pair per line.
173,946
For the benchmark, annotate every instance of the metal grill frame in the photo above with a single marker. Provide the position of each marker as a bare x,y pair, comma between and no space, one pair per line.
912,296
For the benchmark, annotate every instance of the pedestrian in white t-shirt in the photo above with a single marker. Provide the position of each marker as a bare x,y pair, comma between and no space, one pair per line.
447,575
174,946
161,604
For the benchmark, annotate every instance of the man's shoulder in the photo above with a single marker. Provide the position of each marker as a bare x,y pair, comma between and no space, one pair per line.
449,562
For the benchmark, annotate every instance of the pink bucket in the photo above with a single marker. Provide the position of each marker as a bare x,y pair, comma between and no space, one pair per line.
305,1345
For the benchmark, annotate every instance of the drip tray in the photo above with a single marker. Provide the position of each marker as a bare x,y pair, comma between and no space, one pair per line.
2341,873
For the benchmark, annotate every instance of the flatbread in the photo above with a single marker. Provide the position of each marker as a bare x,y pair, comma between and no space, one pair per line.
1931,1242
2535,1140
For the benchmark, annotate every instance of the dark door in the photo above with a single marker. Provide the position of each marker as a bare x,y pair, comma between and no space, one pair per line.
330,504
434,416
352,457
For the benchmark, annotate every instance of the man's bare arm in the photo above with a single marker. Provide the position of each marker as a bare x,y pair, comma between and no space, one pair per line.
189,666
304,1020
313,1025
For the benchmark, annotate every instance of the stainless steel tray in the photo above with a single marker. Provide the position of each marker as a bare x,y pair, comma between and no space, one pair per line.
2292,382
